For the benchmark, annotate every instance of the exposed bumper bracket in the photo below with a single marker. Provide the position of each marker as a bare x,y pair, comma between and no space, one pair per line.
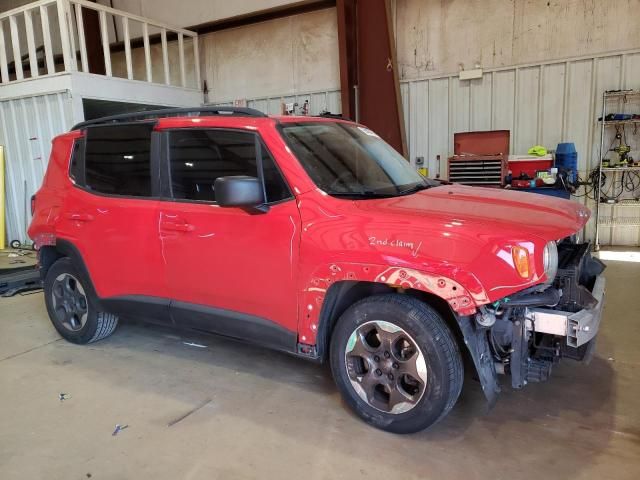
578,327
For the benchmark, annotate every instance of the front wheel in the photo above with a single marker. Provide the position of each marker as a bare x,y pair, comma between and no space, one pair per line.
396,363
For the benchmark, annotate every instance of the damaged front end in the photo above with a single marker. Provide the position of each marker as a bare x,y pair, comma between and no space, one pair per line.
525,334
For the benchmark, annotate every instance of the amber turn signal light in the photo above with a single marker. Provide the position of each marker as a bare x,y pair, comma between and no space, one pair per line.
521,261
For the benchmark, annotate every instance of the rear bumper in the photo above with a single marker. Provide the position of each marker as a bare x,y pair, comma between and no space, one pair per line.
579,327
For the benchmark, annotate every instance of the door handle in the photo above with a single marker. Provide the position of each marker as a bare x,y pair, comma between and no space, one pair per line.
178,227
79,217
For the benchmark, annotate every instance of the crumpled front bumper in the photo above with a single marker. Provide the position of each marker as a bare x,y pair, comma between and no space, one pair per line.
579,327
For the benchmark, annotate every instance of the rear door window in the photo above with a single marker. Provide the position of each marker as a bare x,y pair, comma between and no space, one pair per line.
118,159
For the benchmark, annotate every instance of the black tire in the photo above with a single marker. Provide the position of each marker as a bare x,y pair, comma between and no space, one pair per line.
432,399
77,320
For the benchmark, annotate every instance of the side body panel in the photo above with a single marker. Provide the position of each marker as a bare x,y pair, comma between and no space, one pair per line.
116,237
233,259
118,240
340,243
50,197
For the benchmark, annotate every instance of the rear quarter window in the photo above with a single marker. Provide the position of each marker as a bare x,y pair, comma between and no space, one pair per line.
76,165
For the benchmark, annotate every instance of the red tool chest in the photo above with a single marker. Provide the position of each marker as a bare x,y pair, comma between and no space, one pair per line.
480,158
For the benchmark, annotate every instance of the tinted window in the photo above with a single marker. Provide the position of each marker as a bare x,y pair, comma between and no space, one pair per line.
77,163
118,159
347,159
276,187
199,157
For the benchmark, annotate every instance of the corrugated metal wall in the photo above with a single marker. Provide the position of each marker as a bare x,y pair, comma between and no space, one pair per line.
27,126
549,103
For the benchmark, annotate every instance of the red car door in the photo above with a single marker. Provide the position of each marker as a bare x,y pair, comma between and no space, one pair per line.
111,215
229,270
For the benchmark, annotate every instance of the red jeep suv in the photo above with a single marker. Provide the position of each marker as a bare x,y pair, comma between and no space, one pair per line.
312,236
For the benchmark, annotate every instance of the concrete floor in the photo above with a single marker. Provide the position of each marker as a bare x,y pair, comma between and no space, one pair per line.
231,411
12,258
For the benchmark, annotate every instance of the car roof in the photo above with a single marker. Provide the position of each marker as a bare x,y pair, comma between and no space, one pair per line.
242,122
200,112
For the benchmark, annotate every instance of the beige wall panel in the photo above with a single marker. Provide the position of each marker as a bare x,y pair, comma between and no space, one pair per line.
435,37
280,57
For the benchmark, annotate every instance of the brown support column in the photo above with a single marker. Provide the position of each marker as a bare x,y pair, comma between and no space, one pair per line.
368,60
93,41
348,55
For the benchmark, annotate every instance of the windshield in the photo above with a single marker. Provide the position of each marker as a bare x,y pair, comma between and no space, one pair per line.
350,160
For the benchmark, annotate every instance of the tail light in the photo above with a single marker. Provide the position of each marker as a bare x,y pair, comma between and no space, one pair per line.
33,205
521,261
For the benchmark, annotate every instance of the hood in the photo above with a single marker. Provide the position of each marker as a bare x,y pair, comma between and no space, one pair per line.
547,217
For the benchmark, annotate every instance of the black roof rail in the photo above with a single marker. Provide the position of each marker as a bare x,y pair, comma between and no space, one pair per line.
327,114
169,112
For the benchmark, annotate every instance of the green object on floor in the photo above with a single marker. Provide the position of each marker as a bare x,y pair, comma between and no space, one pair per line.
538,151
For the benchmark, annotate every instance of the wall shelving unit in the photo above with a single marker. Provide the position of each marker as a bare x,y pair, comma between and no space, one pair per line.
614,220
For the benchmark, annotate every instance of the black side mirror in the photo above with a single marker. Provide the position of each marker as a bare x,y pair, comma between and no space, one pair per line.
239,191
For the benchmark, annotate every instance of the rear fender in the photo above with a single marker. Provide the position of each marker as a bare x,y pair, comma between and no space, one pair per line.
48,254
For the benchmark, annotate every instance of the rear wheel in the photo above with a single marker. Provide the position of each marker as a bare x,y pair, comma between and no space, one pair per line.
396,363
72,307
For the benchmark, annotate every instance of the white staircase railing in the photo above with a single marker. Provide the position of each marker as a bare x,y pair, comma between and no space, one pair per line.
48,37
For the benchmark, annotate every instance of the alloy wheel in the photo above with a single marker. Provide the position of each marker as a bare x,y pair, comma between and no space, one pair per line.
386,367
69,302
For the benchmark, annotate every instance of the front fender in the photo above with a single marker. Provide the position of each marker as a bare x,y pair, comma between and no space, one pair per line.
462,300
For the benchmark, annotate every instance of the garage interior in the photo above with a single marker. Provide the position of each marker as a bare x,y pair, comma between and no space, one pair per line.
535,96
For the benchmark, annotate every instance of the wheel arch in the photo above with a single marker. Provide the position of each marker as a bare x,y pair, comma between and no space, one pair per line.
49,254
471,341
341,295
